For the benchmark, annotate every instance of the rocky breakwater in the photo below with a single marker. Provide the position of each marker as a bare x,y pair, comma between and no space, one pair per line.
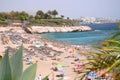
39,29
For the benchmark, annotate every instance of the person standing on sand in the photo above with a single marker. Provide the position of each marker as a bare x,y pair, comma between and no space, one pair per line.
39,77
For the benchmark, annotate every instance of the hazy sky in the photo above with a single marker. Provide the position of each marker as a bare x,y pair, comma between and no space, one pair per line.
69,8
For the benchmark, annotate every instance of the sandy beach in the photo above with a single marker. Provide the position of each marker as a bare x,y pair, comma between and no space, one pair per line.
48,54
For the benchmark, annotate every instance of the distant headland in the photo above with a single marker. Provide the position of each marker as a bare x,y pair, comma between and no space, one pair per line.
41,22
49,18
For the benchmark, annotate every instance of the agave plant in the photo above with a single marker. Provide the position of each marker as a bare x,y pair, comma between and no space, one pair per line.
12,68
107,58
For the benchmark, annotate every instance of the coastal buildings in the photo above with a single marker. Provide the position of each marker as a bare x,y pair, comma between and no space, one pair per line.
95,20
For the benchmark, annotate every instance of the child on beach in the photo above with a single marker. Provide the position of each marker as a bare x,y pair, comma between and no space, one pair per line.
53,66
39,77
69,53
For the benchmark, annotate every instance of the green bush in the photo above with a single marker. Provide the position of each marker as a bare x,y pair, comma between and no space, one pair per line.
4,23
2,19
56,22
12,68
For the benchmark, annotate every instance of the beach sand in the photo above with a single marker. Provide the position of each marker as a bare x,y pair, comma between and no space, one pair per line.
44,52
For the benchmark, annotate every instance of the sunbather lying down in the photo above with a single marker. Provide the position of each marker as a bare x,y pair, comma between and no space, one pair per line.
30,60
78,68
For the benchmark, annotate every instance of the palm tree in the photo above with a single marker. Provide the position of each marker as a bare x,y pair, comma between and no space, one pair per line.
54,13
49,13
106,59
119,25
23,17
15,15
39,14
47,16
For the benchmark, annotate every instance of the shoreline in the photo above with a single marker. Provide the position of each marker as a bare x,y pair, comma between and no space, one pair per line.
65,43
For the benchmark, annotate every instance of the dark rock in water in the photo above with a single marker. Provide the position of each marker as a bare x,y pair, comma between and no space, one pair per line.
75,31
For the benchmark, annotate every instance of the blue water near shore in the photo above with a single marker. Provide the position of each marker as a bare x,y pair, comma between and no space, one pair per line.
100,33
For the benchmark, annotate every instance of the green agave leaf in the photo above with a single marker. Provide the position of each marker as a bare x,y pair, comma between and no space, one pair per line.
29,73
46,78
0,59
5,70
61,78
16,64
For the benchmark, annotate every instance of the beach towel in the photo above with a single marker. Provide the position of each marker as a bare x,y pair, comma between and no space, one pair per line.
59,66
79,66
62,71
92,75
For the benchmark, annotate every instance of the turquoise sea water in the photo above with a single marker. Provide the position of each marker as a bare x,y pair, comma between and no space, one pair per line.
100,32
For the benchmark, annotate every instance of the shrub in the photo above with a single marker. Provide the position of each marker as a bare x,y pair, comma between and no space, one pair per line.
2,19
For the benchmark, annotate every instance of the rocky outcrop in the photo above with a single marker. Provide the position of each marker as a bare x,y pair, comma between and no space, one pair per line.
38,29
46,29
4,39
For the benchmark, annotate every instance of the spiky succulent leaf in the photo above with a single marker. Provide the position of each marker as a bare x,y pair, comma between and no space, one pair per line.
29,73
16,64
46,78
61,78
5,70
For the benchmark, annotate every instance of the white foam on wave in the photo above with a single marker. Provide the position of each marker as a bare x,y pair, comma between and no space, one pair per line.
97,30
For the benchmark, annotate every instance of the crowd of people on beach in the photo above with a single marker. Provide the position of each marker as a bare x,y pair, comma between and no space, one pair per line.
38,48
